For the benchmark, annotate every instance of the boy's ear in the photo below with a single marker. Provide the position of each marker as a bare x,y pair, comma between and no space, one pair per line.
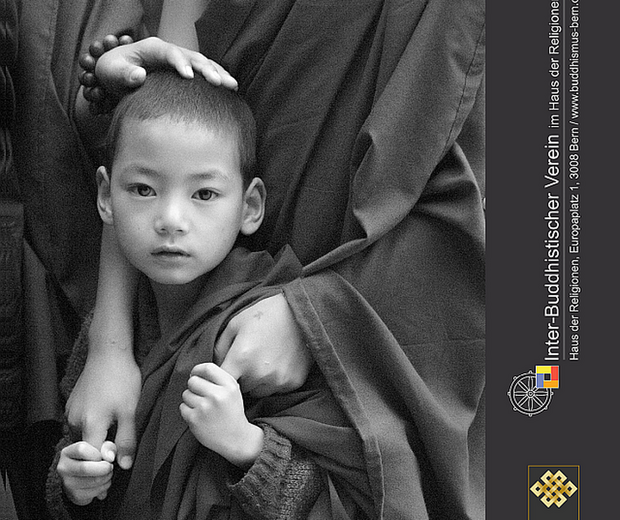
253,206
104,202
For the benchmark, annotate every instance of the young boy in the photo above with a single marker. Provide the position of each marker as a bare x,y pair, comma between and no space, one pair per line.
179,190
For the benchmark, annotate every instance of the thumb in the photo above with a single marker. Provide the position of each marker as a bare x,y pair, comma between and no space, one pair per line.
108,451
118,71
125,441
134,75
125,75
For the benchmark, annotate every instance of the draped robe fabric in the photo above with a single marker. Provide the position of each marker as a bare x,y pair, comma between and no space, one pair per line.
370,115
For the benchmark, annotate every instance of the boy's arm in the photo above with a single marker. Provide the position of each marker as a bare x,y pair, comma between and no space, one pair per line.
213,409
281,481
97,402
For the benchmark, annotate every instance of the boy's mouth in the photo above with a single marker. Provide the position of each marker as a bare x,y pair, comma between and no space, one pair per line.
169,251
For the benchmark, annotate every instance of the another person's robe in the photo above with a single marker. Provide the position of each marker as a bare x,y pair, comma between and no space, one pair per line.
370,118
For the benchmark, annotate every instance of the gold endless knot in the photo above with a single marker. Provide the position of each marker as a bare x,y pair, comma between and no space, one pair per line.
552,488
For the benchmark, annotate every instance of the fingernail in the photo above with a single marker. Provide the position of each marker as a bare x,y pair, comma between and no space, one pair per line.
133,77
189,71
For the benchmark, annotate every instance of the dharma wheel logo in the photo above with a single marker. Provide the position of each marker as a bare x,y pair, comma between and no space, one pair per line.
530,393
552,488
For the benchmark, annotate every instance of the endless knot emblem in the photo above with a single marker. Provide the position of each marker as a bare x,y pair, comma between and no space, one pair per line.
553,488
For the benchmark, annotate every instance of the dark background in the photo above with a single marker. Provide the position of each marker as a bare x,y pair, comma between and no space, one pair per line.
579,426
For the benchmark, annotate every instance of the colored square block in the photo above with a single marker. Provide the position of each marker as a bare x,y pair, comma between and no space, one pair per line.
547,376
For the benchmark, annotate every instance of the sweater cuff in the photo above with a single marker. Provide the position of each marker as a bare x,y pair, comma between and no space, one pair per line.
283,483
261,483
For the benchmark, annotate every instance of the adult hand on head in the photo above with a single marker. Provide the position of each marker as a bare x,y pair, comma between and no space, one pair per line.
124,67
99,401
114,66
263,349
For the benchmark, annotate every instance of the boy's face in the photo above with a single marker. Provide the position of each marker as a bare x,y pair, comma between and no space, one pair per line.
176,199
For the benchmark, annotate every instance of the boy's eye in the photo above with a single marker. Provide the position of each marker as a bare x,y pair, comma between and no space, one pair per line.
143,190
204,194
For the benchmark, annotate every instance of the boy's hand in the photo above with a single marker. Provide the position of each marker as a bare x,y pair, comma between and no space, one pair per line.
86,472
213,409
262,347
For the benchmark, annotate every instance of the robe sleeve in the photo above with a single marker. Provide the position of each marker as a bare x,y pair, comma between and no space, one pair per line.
394,316
416,408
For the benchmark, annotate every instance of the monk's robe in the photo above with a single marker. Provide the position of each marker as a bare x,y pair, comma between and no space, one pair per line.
174,476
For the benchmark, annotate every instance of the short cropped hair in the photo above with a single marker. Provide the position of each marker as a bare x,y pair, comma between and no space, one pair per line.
165,94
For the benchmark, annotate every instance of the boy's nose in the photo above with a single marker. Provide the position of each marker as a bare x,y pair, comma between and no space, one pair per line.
171,220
